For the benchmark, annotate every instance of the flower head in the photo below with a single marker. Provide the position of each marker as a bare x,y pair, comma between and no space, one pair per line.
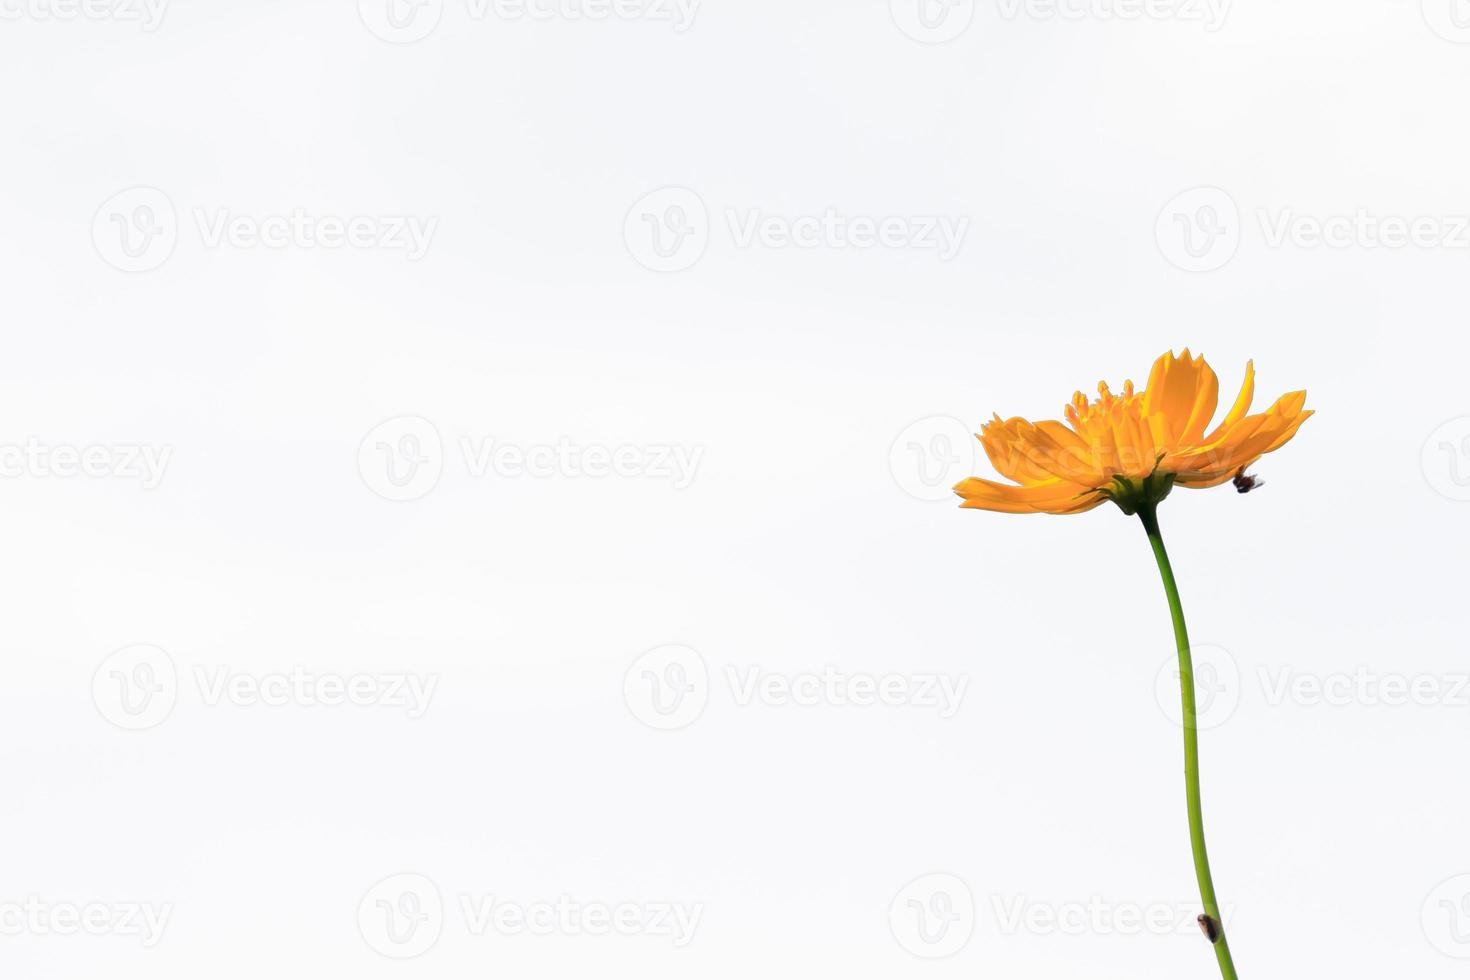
1131,448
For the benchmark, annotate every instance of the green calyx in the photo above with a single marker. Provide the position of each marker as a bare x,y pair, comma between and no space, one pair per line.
1132,496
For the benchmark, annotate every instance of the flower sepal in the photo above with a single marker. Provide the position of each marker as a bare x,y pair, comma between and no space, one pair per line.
1131,495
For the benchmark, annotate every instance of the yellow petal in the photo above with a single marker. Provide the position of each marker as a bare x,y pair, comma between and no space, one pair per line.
1242,402
1006,452
1206,398
1245,442
1182,392
1057,497
1062,453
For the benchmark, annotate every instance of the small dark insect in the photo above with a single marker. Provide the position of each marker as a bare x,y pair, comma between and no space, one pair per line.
1245,483
1208,927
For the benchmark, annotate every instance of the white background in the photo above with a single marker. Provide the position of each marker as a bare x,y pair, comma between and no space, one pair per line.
531,320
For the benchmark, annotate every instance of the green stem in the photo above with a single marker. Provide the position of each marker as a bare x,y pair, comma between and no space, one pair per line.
1149,515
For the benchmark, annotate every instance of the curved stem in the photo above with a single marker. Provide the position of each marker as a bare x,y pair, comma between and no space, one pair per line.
1150,518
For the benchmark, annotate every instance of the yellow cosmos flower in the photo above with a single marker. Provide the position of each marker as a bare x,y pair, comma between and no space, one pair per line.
1131,448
